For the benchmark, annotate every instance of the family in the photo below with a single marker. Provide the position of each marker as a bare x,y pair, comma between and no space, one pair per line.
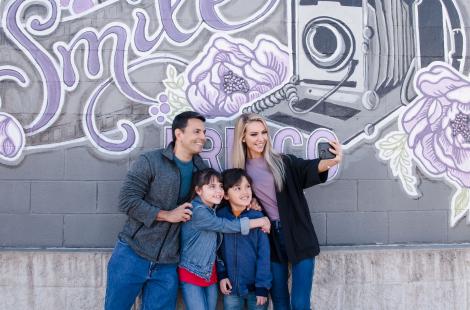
236,232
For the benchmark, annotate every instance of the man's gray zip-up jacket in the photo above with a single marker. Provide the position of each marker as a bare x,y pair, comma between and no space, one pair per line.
151,185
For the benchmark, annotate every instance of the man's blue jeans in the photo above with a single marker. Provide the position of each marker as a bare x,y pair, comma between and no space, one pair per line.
198,297
302,280
129,273
232,302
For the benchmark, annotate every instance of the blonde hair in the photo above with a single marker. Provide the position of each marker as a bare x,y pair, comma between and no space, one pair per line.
239,151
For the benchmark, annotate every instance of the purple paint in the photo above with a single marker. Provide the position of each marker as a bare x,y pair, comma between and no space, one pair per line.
119,59
11,137
437,123
210,16
286,134
213,19
107,144
165,108
168,22
140,41
79,6
53,88
12,74
91,40
163,98
229,135
153,110
230,73
212,153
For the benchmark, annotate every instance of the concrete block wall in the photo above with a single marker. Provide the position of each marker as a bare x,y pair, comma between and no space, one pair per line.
346,278
76,204
65,198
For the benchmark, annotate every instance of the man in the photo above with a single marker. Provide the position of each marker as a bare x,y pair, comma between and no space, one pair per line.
154,196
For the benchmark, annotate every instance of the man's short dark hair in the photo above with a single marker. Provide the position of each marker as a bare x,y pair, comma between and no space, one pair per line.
181,121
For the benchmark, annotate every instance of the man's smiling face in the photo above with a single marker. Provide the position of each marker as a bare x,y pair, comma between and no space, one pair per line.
192,138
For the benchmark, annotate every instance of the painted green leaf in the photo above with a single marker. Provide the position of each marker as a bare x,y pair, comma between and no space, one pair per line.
171,72
180,82
393,148
170,84
460,205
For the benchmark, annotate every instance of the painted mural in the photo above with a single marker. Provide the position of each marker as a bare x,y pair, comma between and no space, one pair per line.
96,73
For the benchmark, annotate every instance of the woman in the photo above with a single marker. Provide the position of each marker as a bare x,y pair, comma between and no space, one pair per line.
278,182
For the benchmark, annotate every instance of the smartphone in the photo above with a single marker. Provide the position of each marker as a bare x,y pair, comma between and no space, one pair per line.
324,151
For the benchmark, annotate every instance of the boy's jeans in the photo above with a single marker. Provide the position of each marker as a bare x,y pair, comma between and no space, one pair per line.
198,297
232,302
128,274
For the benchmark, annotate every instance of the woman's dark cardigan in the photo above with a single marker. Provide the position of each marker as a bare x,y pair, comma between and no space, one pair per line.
300,238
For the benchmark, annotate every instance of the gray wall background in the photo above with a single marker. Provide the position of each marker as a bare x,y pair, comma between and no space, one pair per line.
66,196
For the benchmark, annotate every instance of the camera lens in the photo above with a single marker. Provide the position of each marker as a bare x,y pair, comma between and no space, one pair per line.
328,43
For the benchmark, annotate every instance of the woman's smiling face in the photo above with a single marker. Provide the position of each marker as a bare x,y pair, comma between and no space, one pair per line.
255,139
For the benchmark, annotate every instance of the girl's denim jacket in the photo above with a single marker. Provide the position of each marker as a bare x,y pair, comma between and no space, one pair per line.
200,238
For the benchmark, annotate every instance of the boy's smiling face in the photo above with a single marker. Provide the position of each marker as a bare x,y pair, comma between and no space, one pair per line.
239,196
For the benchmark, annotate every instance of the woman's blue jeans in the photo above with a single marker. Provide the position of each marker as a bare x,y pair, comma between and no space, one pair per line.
198,297
302,280
129,273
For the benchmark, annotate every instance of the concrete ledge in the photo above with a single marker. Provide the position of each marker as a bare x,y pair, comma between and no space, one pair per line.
366,277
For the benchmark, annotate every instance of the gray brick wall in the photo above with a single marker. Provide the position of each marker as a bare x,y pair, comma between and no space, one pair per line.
67,196
44,204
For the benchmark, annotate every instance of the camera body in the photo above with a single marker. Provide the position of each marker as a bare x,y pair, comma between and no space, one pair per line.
328,36
355,59
349,56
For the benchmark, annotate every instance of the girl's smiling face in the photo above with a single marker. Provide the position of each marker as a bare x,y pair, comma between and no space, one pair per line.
211,194
239,196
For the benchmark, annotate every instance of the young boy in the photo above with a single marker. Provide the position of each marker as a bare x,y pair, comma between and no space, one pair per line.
244,260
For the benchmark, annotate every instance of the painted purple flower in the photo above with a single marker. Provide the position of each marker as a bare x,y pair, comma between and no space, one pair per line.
438,123
78,6
11,137
230,74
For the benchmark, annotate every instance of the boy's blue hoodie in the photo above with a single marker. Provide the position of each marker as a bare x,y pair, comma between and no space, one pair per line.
245,259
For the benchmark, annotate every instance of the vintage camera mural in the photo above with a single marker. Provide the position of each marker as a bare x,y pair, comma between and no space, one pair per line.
97,73
350,56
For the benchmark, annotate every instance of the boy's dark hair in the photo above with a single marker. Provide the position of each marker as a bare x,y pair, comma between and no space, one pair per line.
181,121
203,177
232,177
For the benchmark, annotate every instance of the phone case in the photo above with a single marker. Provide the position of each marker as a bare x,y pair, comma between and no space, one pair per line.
324,152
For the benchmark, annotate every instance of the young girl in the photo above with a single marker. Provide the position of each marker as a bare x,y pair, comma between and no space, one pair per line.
244,266
200,238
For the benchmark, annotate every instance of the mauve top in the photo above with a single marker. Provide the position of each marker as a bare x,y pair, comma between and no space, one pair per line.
263,186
